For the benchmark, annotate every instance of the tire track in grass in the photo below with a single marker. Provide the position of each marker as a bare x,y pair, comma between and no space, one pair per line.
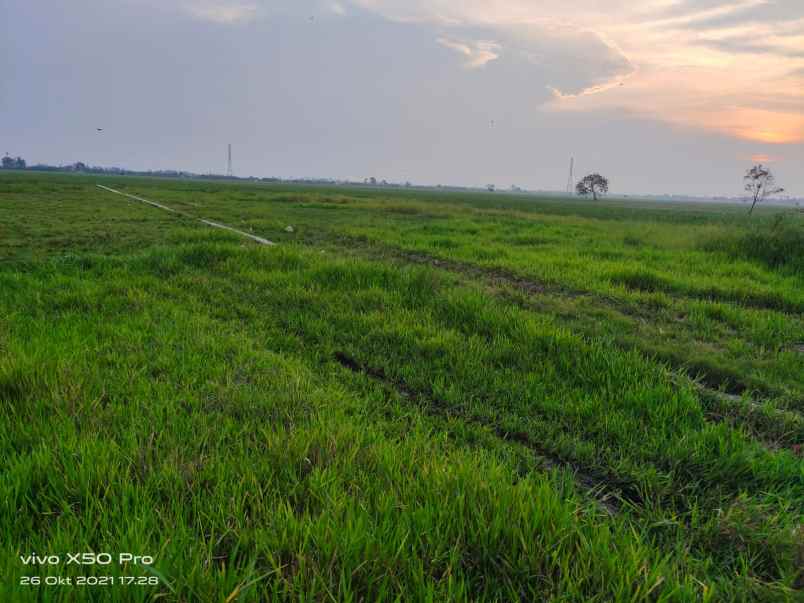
611,494
777,429
598,487
673,516
502,280
183,214
677,525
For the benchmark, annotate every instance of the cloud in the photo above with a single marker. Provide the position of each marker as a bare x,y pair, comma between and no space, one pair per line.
478,53
782,14
729,66
687,13
704,104
572,61
578,62
337,8
740,45
763,158
223,12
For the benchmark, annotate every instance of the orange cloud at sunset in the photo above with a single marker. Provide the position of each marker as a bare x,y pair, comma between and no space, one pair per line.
699,98
761,125
730,66
747,94
762,158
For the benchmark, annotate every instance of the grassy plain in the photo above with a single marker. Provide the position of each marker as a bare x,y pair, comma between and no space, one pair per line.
414,396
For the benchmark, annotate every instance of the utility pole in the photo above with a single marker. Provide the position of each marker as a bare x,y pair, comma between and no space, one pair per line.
229,163
571,173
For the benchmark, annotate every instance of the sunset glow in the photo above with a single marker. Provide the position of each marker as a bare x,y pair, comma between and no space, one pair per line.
709,65
432,91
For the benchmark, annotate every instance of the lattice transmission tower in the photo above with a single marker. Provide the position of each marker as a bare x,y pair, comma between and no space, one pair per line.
571,175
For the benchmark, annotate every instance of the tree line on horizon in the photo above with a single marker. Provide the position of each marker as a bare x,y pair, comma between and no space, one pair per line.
13,163
760,182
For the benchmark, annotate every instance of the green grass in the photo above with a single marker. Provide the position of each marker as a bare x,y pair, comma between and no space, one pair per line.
414,396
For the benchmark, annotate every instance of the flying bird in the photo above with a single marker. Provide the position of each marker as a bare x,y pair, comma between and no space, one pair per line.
100,129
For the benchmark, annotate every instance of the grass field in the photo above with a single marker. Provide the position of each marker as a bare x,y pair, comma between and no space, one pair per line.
414,396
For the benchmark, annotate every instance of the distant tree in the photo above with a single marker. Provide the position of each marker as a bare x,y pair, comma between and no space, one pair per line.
13,163
594,184
760,184
373,181
491,188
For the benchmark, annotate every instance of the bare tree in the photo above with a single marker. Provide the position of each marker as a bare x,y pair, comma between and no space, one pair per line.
593,183
760,184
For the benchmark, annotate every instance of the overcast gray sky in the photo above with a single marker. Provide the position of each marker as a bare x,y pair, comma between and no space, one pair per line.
660,95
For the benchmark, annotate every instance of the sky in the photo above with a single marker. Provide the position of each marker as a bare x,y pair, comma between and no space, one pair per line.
660,96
